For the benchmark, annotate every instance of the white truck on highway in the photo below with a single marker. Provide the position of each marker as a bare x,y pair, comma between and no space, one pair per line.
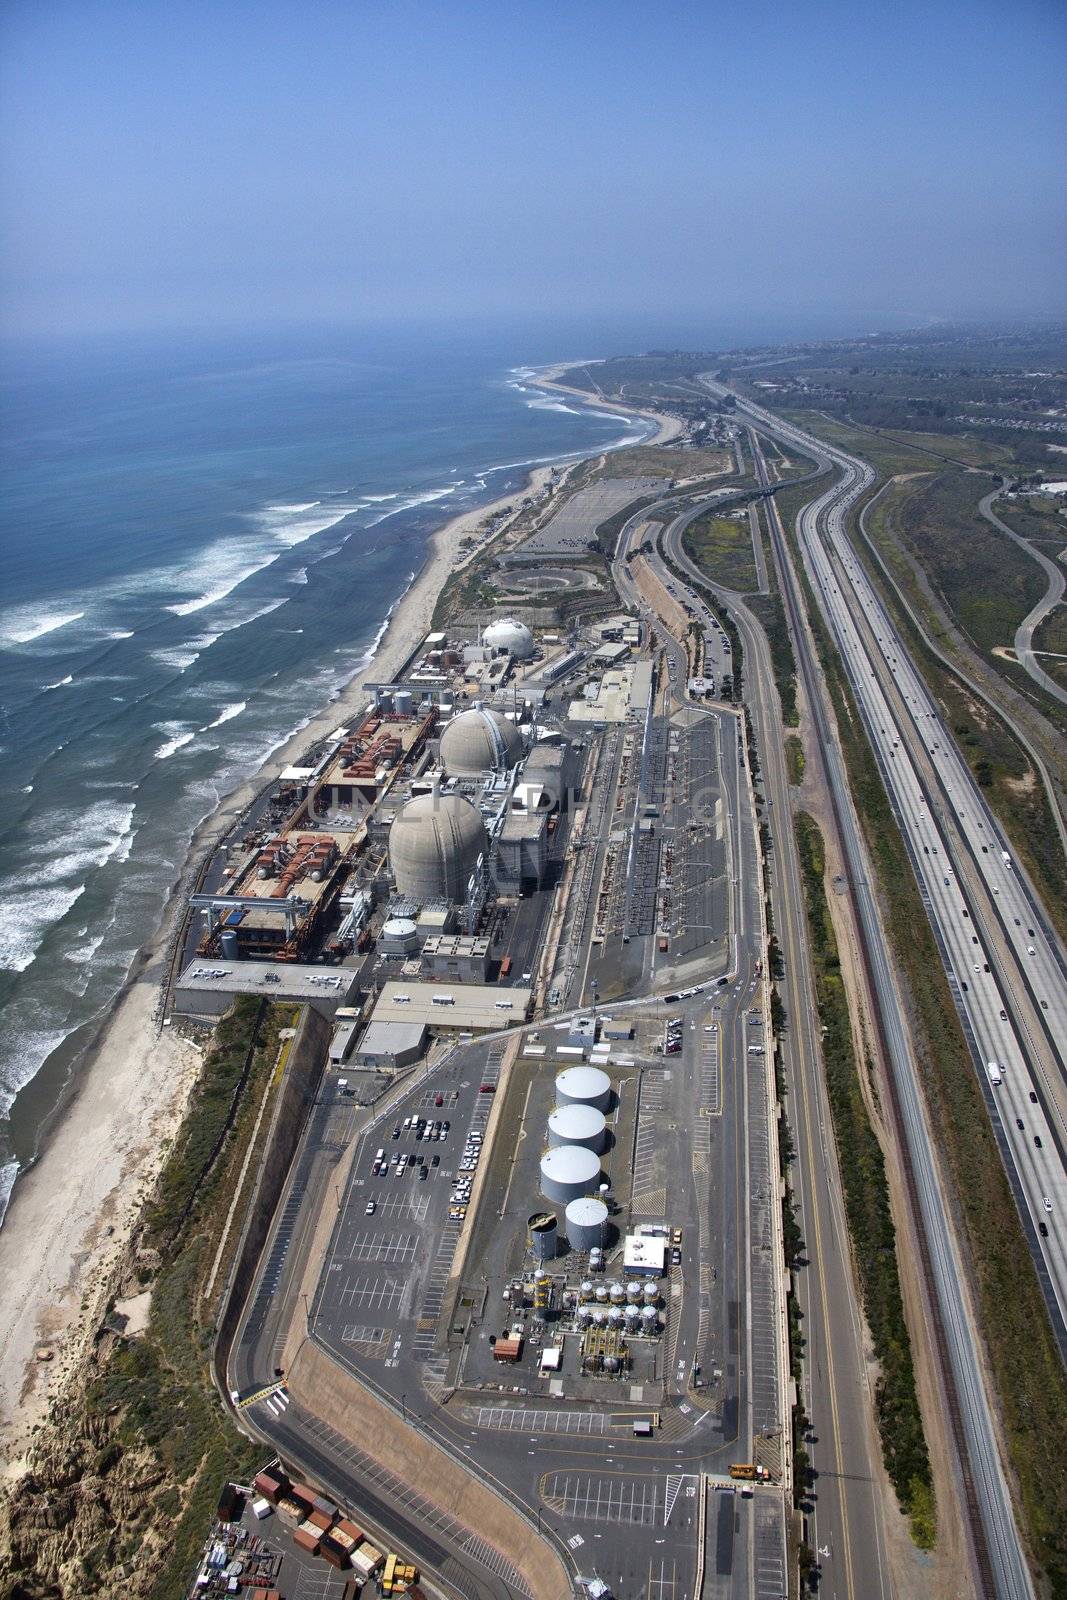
993,1073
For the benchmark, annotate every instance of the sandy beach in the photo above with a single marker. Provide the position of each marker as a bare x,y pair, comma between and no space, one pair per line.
72,1213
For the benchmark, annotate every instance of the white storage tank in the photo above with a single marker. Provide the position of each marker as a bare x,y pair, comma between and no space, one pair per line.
633,1291
578,1124
568,1172
584,1223
651,1293
585,1290
602,1293
615,1316
583,1086
618,1294
650,1319
632,1315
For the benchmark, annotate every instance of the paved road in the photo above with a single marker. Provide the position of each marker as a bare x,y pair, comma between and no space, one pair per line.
821,528
1024,633
845,1516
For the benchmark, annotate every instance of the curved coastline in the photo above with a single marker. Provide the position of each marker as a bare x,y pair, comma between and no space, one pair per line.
72,1209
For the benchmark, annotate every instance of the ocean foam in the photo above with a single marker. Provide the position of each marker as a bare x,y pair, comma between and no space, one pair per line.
227,714
178,736
23,627
225,564
26,917
61,684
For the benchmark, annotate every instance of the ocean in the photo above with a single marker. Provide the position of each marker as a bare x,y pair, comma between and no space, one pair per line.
201,545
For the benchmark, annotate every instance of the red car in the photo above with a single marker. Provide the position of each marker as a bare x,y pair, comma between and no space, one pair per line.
487,1088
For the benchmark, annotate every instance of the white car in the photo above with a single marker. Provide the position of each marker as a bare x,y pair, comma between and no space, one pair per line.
370,1208
1047,1203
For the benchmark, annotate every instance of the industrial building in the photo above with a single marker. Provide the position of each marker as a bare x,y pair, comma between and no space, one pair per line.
207,990
520,854
469,1007
456,956
389,1046
434,846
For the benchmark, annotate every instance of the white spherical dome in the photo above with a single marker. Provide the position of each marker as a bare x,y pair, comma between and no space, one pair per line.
511,636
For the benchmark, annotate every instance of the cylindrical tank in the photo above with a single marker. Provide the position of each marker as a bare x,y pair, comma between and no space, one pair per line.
650,1293
632,1315
615,1316
578,1124
618,1294
583,1086
596,1256
542,1234
600,1316
602,1294
585,1220
650,1319
633,1291
568,1173
585,1316
586,1289
611,1363
229,944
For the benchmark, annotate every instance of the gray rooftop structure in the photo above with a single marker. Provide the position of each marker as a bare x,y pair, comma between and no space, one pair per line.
467,1006
206,987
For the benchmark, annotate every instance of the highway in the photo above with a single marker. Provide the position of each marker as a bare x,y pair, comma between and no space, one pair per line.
1004,964
1008,1572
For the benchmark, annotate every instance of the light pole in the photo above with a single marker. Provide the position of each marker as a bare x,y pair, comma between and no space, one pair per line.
404,1406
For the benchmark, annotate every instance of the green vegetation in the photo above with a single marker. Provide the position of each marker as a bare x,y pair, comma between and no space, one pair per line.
721,546
986,582
1000,764
1051,637
660,461
1027,1371
769,610
794,760
870,1222
152,1396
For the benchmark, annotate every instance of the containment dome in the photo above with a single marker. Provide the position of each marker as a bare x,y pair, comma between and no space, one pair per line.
568,1172
479,741
511,636
434,845
586,1086
578,1124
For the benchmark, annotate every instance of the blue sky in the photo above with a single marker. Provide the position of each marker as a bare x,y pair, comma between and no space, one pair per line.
177,164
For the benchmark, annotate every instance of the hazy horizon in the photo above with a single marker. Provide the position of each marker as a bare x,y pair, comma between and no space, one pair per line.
831,168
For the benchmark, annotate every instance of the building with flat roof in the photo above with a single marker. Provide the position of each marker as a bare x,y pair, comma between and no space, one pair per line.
466,1007
643,1256
205,988
460,956
520,855
389,1046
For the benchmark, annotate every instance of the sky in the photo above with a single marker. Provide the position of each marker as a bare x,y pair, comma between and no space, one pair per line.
172,165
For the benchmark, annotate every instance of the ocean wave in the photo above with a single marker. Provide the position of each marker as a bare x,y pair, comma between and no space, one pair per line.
225,564
26,917
299,576
428,497
227,714
60,684
178,736
180,657
23,626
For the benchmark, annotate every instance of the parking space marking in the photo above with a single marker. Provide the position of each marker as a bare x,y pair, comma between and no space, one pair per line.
371,1294
397,1249
400,1207
636,1501
516,1419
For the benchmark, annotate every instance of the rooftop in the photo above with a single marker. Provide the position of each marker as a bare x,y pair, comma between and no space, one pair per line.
441,1005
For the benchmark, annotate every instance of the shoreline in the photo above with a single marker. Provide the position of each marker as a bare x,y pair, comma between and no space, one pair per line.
73,1209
